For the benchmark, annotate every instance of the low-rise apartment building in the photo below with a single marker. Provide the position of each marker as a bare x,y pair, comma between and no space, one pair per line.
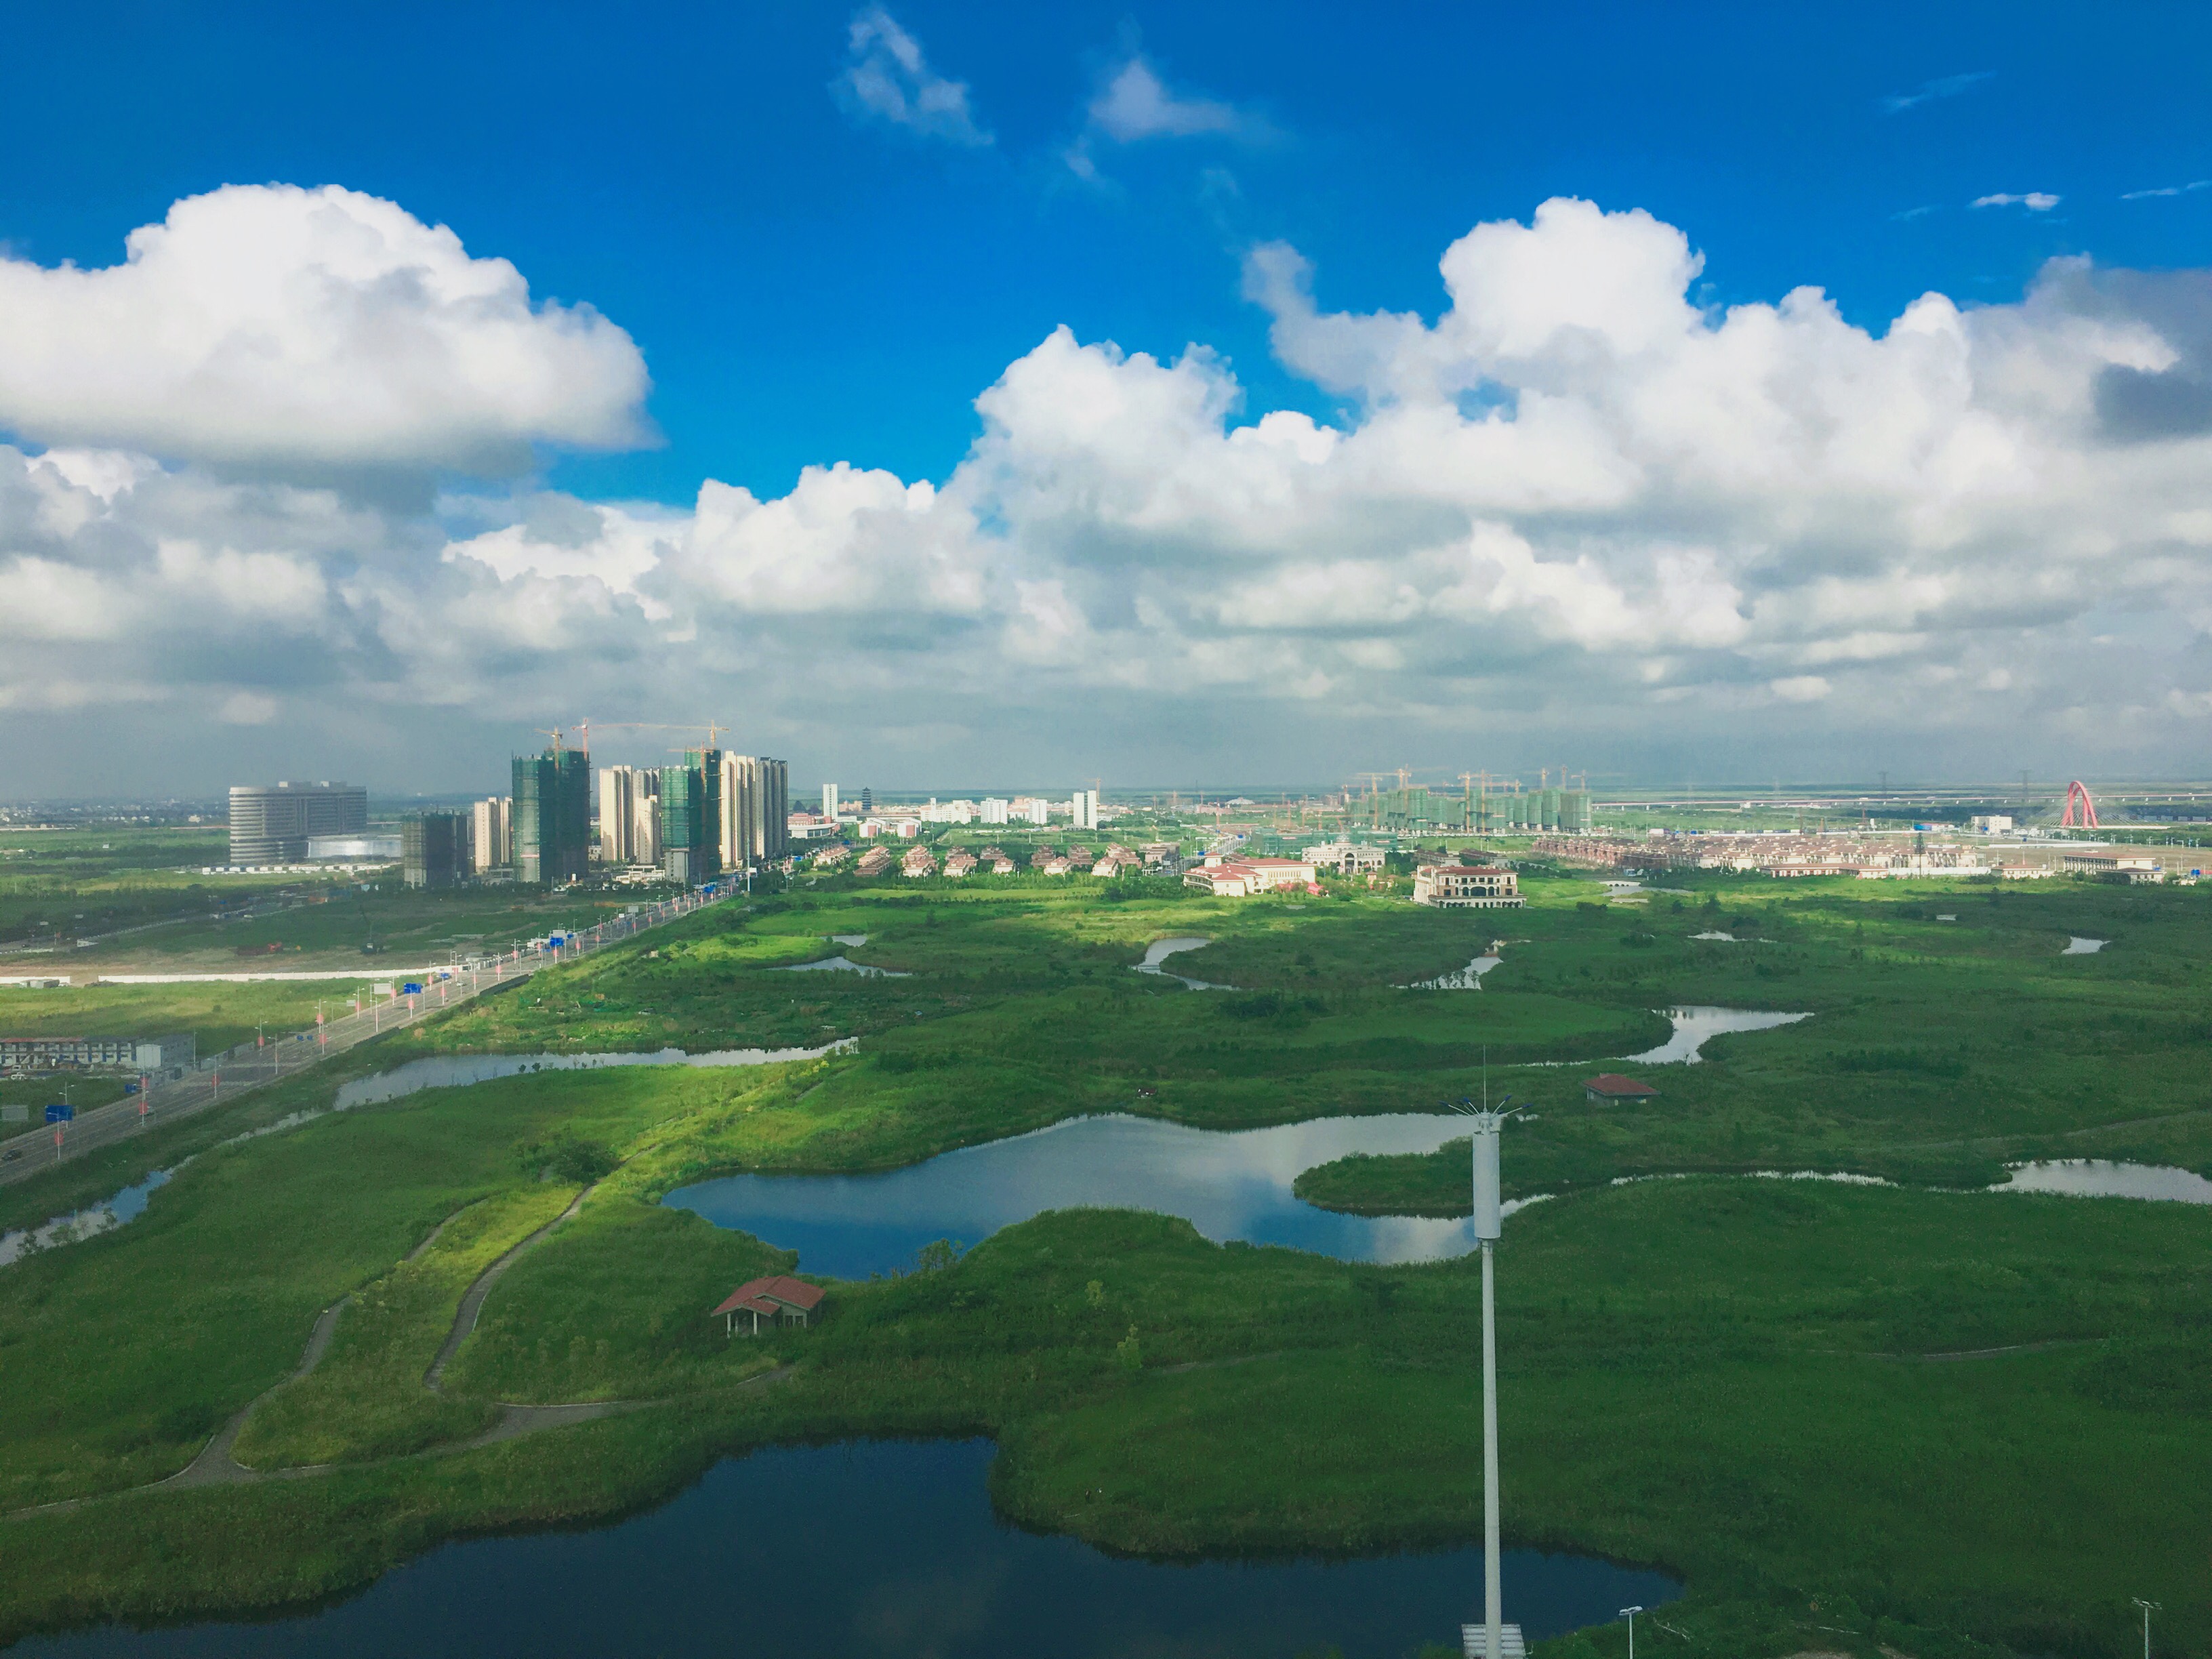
1230,878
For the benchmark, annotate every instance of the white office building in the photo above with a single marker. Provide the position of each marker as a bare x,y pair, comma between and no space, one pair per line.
1082,809
272,824
830,802
991,810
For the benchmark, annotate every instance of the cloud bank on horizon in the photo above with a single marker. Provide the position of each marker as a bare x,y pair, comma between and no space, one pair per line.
274,471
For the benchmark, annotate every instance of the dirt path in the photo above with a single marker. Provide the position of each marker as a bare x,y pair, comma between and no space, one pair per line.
472,1299
215,1465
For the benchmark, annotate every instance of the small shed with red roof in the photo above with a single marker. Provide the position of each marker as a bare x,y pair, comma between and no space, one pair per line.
1608,1087
779,1300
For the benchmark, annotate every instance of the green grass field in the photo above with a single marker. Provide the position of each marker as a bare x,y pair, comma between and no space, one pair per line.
1755,1383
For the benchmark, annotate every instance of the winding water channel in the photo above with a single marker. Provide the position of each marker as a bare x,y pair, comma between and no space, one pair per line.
881,1550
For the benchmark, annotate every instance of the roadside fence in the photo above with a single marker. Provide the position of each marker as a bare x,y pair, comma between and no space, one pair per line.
164,1096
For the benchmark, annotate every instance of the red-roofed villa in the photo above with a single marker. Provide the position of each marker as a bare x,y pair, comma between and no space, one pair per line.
779,1300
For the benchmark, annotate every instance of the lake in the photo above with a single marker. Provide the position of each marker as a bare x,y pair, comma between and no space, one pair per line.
1229,1185
881,1550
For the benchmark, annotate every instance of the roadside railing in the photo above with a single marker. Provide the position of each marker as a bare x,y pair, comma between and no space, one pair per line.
163,1097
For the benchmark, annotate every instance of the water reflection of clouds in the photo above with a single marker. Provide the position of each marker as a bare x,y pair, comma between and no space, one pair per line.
1235,1185
2097,1177
456,1070
1694,1027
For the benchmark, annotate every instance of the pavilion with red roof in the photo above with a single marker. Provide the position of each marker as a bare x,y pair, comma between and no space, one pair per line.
779,1299
1608,1087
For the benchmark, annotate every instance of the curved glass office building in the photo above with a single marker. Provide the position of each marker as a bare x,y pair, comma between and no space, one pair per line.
270,824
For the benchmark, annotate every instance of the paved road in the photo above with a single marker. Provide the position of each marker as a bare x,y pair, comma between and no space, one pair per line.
225,1076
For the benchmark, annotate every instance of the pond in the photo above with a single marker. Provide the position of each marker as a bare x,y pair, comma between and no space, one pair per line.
1229,1185
93,1219
882,1550
2096,1177
2078,946
1160,949
841,965
453,1071
1468,978
1695,1027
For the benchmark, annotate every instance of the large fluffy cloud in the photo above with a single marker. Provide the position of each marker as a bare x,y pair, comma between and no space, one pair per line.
1574,511
308,330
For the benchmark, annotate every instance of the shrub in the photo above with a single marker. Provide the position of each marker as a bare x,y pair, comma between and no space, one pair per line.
568,1158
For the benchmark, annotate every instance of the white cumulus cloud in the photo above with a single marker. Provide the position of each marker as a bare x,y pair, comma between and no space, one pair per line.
1569,507
273,327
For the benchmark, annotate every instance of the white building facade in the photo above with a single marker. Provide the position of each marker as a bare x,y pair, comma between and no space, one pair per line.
1460,886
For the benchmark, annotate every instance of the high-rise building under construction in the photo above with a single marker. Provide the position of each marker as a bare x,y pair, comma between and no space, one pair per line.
433,849
691,817
552,823
1419,810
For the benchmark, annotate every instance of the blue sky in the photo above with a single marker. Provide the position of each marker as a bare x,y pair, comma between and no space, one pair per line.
808,287
808,281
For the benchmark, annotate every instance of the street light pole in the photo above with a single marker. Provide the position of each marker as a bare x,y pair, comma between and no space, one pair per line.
1629,1613
1489,1224
2148,1608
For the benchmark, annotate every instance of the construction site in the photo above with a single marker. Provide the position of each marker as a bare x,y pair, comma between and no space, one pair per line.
1482,805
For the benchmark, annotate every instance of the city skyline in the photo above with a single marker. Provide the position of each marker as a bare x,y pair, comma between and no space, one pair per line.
1130,395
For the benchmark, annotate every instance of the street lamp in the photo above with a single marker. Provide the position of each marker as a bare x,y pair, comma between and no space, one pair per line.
1629,1613
2148,1608
1489,1224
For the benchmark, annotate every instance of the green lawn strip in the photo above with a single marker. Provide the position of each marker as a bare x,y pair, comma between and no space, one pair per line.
316,922
218,1015
367,1399
95,1089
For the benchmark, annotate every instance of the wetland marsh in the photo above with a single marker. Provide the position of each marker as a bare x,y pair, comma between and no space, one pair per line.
1718,1378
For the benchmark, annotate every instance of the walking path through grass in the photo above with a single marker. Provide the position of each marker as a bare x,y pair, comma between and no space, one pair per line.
216,1465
